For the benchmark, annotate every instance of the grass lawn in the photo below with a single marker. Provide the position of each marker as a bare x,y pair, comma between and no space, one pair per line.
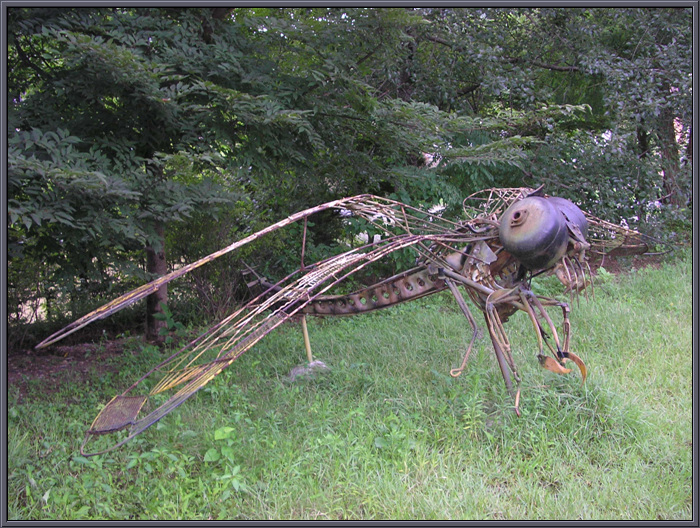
386,433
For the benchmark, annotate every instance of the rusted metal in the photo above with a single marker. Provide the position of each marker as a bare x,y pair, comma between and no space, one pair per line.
403,287
470,254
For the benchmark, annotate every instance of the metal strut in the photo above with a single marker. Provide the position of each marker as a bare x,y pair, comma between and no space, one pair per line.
500,357
465,310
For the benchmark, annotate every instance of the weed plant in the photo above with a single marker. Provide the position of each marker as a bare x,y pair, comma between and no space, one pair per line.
386,433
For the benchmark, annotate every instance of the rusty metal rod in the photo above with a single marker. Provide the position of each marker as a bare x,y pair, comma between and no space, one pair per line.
472,322
502,363
470,283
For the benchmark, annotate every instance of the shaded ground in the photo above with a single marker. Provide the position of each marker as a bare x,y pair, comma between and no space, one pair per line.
58,365
624,264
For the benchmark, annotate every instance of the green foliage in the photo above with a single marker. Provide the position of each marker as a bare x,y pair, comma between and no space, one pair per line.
225,456
173,329
601,173
212,291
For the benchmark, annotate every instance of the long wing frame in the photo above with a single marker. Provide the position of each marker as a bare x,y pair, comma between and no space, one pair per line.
196,364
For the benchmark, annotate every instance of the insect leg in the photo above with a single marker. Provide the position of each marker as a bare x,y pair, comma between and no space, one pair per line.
499,337
574,286
562,352
502,363
535,300
504,297
533,318
561,270
525,304
501,331
465,310
568,355
583,277
501,359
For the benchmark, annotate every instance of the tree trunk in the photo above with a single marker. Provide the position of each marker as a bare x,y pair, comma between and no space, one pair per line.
670,159
156,266
642,141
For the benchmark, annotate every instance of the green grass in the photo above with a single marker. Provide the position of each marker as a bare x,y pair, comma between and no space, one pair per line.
387,433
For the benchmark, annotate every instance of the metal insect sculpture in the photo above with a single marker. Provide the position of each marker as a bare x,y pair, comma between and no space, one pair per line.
510,236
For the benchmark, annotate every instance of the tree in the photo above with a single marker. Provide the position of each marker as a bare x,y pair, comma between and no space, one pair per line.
632,67
106,107
168,111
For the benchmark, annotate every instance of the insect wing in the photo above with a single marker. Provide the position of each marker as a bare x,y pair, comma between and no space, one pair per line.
196,364
607,238
139,293
492,203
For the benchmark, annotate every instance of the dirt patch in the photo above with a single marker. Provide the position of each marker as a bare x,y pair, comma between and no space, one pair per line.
618,265
58,366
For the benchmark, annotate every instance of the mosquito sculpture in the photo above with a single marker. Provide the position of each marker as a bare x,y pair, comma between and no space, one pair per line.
510,236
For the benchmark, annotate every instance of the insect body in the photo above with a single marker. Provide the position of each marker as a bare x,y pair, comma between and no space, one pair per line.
509,236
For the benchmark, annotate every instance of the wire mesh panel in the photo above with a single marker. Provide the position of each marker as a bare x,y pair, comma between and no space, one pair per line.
117,414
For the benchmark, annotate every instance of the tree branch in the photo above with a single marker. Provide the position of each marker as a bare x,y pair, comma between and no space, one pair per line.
439,40
469,89
557,68
512,60
25,59
553,67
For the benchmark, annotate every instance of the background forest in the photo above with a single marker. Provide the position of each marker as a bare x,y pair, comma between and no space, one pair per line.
140,139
